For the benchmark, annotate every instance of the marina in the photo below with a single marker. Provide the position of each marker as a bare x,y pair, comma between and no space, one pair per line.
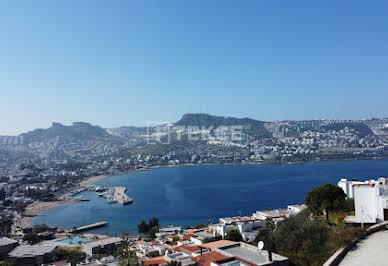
113,194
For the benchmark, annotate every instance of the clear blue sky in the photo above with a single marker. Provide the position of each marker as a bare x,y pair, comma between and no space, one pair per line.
116,63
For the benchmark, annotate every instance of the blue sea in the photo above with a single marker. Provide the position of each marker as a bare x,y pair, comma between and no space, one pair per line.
201,194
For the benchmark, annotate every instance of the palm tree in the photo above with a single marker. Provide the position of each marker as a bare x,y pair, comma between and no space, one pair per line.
126,256
174,263
73,256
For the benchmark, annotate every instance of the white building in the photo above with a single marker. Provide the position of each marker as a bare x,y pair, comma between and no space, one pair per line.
168,231
247,226
271,214
295,209
371,202
348,186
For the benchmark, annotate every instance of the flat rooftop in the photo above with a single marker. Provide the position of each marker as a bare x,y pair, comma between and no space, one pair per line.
103,242
244,253
30,251
249,253
5,241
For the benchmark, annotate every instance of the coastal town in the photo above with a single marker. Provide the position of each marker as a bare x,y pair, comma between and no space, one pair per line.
83,150
232,240
193,133
48,168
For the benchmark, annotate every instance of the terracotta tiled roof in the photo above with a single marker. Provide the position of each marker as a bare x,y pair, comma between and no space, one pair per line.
156,260
189,248
140,242
155,242
207,258
219,243
188,236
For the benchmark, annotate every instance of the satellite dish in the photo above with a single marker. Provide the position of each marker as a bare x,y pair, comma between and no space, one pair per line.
260,245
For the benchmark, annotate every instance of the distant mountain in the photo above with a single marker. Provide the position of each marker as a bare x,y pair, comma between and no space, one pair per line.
79,131
83,139
207,120
250,126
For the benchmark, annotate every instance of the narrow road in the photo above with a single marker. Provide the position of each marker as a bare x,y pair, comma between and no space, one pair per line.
370,251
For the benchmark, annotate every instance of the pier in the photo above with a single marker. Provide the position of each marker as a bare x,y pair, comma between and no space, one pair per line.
114,194
89,227
120,196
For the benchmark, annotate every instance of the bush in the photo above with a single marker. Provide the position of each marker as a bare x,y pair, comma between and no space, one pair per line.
305,241
233,235
31,238
298,238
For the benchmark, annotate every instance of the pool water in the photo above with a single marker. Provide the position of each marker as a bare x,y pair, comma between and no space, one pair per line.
74,240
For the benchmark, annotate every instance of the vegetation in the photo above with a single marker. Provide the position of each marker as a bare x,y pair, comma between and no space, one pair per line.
72,255
38,194
126,257
233,235
31,238
5,225
19,206
325,199
174,263
151,228
306,238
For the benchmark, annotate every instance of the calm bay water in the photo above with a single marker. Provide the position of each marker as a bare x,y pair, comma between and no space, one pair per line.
201,194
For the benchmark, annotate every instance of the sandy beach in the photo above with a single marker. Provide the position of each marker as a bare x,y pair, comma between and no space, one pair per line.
92,180
38,207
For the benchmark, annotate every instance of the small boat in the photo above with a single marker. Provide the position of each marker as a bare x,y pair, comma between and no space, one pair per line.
83,199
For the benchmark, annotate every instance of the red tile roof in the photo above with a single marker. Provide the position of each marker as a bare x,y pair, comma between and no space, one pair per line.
207,258
219,243
155,261
188,236
172,236
190,249
155,242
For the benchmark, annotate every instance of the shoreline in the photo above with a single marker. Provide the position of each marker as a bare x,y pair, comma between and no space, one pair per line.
36,208
91,180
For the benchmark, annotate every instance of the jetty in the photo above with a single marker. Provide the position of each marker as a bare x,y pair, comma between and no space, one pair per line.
113,194
89,227
120,196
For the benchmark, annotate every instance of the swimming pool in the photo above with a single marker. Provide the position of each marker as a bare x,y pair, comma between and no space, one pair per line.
74,240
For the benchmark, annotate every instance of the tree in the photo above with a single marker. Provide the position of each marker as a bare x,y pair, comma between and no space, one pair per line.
151,228
143,227
71,255
325,199
153,222
270,223
152,232
301,239
31,238
126,257
5,225
2,194
20,206
174,263
233,235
